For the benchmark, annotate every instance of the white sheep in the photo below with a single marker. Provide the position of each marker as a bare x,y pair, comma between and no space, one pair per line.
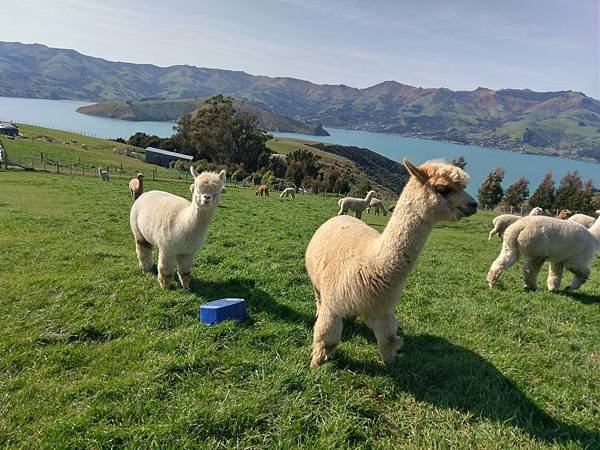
583,219
377,204
136,186
565,244
103,174
288,192
503,221
175,226
355,270
358,205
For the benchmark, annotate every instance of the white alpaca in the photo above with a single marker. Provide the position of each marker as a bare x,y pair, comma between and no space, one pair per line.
377,204
103,174
583,219
563,243
355,270
288,192
503,221
136,186
358,205
177,227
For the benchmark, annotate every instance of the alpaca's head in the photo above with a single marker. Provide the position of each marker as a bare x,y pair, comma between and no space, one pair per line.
140,176
442,187
537,211
564,214
207,187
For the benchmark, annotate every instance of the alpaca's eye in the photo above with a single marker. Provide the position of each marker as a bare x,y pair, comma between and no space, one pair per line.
444,190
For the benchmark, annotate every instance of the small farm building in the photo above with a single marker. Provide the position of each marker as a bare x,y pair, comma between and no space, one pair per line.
9,129
164,157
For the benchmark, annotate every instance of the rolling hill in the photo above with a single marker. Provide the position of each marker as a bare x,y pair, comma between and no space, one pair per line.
171,110
564,123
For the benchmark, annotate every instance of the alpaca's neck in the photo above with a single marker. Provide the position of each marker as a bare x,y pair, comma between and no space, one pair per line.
405,234
595,229
368,197
198,218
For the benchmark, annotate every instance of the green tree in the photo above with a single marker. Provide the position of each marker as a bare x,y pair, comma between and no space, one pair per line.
217,132
586,197
362,186
490,193
544,195
517,193
459,162
568,192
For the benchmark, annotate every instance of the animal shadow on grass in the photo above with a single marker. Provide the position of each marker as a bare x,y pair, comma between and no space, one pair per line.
447,375
582,297
256,299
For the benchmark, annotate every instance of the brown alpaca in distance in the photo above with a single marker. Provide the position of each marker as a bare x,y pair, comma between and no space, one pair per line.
136,186
564,214
262,190
355,270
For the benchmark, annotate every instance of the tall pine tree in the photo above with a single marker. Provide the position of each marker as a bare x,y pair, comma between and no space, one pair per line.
544,194
517,193
490,193
568,192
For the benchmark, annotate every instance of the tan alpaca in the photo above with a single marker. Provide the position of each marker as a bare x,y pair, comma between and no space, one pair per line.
564,214
263,190
136,186
356,270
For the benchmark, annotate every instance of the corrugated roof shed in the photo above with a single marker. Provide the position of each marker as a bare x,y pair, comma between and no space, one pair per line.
171,154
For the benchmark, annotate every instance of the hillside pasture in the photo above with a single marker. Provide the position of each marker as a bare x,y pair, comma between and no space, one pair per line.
93,354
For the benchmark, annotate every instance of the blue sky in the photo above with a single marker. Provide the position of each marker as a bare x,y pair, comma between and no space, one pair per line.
459,44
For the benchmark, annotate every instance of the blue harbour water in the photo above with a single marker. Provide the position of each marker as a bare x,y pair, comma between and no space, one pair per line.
480,160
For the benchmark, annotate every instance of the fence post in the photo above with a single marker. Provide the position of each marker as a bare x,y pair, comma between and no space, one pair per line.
121,172
57,167
153,174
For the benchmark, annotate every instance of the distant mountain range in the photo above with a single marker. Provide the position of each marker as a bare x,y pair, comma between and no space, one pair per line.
171,110
564,123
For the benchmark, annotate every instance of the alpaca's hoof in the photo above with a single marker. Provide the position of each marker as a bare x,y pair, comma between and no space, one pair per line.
165,281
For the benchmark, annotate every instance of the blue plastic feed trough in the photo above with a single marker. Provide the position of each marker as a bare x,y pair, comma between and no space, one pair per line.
223,309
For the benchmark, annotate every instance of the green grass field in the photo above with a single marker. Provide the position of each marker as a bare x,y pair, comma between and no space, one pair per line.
93,354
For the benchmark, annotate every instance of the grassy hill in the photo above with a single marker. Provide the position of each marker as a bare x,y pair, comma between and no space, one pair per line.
562,123
171,110
93,354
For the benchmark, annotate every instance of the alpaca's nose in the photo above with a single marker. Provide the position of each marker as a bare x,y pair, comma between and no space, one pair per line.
206,197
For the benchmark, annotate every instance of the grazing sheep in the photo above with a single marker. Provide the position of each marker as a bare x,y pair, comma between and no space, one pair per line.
358,205
103,174
503,221
355,270
583,219
565,244
136,186
564,214
175,226
263,190
378,205
288,192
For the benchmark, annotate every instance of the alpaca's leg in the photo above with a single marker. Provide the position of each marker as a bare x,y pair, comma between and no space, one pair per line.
580,276
317,300
531,270
184,270
492,232
358,213
327,335
166,269
143,250
388,343
505,259
555,273
342,211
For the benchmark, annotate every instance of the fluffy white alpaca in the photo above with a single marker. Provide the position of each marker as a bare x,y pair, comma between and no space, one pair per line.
177,227
503,221
288,192
355,270
583,219
563,243
136,186
377,204
358,205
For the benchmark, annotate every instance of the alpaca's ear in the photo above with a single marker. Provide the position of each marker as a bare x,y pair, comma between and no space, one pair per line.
222,176
192,187
415,171
193,171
